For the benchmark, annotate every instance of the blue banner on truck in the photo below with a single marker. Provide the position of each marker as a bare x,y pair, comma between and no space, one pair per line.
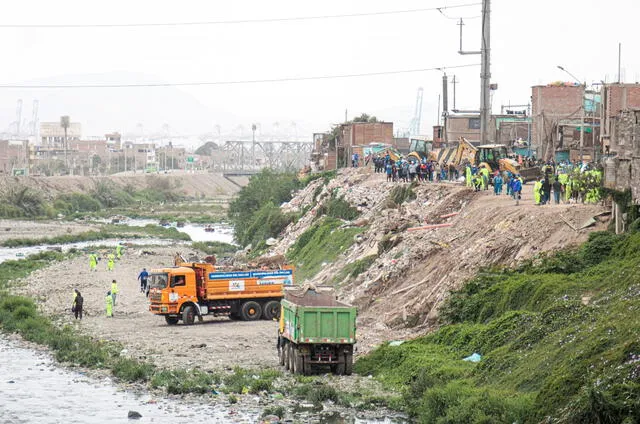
280,276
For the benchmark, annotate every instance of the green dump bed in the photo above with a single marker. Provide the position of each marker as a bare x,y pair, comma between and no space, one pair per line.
318,318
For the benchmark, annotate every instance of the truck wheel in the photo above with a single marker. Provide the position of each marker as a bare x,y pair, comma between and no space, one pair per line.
271,310
281,349
298,362
188,315
306,367
348,363
339,369
251,311
171,320
289,361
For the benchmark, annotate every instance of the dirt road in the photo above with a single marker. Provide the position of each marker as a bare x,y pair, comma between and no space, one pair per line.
213,344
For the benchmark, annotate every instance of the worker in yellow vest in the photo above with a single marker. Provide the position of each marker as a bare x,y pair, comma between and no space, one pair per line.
114,291
537,191
109,302
111,261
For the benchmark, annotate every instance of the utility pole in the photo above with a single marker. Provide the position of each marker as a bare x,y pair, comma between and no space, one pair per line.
485,69
485,73
454,81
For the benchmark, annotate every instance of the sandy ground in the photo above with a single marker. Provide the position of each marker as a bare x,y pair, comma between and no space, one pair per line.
213,344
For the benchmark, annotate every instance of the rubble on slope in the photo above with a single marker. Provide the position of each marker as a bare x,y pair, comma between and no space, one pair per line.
414,270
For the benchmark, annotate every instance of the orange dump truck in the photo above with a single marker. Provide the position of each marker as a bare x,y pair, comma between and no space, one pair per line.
192,289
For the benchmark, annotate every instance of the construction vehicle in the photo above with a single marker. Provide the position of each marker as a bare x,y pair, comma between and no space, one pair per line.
496,156
421,149
316,329
194,289
492,156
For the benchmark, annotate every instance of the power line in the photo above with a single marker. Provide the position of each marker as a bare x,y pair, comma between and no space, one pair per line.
256,81
241,21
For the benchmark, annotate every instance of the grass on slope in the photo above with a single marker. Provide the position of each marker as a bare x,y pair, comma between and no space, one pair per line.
320,244
558,337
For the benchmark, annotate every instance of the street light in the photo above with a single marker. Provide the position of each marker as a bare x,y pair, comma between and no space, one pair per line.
570,74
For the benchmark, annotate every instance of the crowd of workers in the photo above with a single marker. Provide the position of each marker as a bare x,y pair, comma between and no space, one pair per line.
77,305
404,170
557,183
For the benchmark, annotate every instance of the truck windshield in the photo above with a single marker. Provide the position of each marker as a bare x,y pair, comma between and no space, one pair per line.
158,281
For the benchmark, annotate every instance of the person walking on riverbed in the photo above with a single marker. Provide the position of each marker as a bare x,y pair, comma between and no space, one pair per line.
111,261
114,291
109,304
119,251
143,277
77,304
93,262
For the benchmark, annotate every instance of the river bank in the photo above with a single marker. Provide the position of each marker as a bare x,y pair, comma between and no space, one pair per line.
33,388
229,353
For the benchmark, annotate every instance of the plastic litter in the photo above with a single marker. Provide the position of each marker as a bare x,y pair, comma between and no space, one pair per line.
476,357
396,343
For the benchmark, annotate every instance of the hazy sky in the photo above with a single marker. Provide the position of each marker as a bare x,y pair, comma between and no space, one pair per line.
529,39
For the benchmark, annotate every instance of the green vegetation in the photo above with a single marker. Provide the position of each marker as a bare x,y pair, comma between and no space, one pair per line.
558,338
322,243
23,202
107,232
337,207
325,175
354,269
400,194
256,213
215,247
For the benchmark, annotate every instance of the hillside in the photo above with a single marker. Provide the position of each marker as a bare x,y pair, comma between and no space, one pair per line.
399,278
185,184
557,339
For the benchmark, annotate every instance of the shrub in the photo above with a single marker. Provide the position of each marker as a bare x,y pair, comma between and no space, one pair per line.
131,370
247,211
338,208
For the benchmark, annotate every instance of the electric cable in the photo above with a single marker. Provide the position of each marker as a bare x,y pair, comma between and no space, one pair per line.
237,82
240,21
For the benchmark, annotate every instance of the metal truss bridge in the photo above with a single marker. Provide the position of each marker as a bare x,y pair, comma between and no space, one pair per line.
248,157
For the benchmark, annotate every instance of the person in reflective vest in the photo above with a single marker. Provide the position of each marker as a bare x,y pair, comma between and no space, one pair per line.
537,188
114,291
111,261
109,302
93,262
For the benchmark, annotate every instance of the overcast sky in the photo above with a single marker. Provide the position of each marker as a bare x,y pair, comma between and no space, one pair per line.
529,39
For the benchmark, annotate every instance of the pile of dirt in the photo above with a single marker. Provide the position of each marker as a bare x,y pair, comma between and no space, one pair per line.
413,270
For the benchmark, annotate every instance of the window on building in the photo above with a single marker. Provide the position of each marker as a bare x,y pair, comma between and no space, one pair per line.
474,123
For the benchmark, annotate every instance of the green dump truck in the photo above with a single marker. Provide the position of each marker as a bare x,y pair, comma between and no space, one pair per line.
316,329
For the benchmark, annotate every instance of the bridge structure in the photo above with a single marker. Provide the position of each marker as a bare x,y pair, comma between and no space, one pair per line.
248,157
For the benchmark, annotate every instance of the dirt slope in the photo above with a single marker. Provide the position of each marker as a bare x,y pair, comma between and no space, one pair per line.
400,293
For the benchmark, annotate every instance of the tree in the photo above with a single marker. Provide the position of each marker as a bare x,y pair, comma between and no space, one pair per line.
365,118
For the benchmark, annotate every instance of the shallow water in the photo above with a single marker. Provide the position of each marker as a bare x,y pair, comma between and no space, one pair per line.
34,390
222,233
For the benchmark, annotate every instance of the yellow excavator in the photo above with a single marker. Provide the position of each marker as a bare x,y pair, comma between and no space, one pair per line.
491,156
